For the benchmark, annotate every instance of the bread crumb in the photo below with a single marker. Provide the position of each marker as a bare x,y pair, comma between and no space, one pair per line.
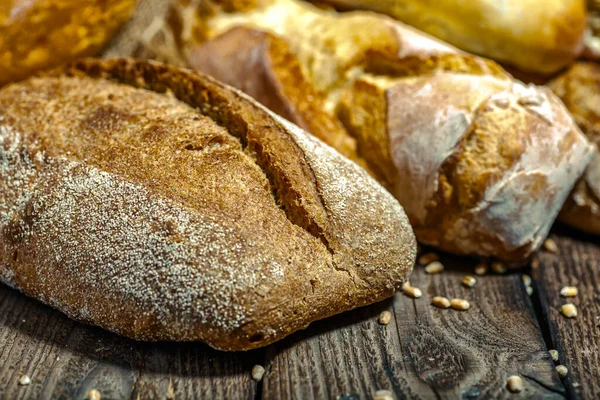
469,281
481,269
413,292
94,395
550,245
434,267
569,291
529,290
515,384
569,310
24,380
258,371
385,317
460,304
383,395
499,267
562,370
526,279
554,355
440,302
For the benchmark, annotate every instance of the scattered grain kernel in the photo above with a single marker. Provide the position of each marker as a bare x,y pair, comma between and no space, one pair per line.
554,355
434,267
515,384
562,370
413,292
383,395
24,380
499,267
568,291
460,304
405,285
569,310
469,281
526,279
258,371
94,395
428,258
481,269
550,245
529,290
385,317
440,302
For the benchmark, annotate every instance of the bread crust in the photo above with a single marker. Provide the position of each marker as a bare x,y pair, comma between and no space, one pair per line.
522,33
578,89
39,34
120,199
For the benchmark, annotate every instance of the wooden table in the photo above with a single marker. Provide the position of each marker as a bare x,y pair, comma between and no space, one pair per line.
424,352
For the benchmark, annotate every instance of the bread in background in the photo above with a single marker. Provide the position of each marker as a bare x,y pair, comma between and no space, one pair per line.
579,89
38,34
539,36
481,163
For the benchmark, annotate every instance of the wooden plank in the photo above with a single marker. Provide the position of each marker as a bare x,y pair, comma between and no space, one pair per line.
66,359
424,352
577,340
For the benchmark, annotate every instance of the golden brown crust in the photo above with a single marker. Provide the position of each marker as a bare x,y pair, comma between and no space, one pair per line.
579,89
523,33
465,157
45,33
278,81
162,205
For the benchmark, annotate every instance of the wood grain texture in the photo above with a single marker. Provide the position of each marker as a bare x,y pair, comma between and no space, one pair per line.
577,340
66,359
424,352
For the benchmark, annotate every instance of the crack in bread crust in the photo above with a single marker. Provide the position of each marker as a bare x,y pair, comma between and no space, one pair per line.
310,215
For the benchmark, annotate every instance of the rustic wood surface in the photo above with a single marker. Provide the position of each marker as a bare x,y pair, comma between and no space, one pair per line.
423,353
577,340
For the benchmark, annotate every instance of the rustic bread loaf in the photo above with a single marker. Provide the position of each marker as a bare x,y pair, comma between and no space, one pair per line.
533,35
37,34
481,163
579,89
163,205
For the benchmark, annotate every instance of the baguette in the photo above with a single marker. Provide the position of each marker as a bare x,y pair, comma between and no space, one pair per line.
534,36
578,89
481,163
160,204
39,34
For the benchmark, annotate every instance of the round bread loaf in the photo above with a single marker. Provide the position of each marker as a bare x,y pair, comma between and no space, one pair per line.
162,205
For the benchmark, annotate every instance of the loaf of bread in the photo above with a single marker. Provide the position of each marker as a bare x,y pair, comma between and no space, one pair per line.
539,36
481,163
579,89
592,37
163,205
37,34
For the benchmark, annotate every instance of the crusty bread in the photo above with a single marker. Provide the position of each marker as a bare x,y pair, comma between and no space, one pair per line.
533,35
163,205
579,89
481,163
38,34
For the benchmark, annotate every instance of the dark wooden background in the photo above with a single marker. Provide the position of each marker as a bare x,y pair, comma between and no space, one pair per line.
424,353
